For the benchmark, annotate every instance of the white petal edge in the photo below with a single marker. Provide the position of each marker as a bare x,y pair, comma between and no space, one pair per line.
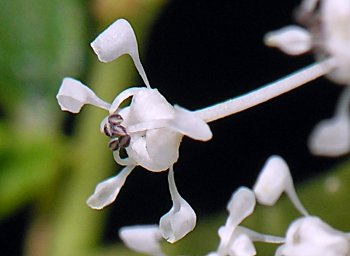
273,180
292,40
142,239
73,95
241,205
119,39
331,137
107,191
181,219
190,124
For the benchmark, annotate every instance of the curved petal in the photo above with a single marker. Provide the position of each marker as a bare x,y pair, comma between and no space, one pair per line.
331,137
241,205
190,124
292,40
142,239
273,180
107,191
121,97
181,219
119,39
73,95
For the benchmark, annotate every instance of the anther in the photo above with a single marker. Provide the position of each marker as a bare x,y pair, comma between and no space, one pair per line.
113,144
124,141
115,119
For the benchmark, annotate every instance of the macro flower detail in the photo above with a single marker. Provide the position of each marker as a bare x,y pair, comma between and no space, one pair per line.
327,34
149,129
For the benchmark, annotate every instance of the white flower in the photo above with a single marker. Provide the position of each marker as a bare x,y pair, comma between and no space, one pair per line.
150,129
234,239
143,239
310,236
273,180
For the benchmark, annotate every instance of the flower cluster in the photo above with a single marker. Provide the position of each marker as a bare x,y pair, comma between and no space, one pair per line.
149,132
326,32
305,236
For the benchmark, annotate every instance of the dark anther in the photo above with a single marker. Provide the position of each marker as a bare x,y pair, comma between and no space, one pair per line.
118,130
113,144
107,130
124,141
115,119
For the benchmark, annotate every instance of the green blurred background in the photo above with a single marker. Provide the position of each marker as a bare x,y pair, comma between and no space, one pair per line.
196,54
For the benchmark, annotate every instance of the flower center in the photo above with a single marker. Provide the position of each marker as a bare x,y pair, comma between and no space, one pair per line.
114,130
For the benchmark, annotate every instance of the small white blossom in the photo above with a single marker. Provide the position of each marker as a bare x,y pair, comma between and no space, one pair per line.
236,240
143,239
310,236
150,129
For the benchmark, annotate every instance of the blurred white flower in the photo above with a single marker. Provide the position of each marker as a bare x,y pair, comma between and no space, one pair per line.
142,238
234,239
310,236
327,33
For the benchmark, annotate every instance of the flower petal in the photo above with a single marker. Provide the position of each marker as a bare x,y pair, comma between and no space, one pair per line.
241,205
273,180
331,137
107,191
142,239
190,124
119,39
292,40
181,219
73,95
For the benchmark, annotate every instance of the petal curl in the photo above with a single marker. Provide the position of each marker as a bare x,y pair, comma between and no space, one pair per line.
107,191
181,219
273,180
190,124
73,95
119,39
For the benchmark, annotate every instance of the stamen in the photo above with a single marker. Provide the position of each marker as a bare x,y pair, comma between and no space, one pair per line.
114,144
115,119
107,130
124,141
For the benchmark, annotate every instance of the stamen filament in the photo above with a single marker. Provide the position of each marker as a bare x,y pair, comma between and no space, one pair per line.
267,92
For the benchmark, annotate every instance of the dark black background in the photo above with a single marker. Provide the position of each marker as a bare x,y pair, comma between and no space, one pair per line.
200,53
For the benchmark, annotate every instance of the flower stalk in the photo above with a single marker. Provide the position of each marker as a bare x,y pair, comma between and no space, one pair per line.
267,92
